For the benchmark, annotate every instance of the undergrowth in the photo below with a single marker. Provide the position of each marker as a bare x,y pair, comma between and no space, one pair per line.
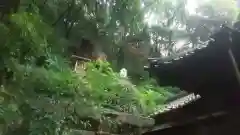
41,94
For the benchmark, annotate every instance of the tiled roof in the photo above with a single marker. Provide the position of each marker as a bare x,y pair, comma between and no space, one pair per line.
177,103
181,55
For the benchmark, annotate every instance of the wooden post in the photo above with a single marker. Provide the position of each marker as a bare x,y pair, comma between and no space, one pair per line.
75,67
232,58
235,65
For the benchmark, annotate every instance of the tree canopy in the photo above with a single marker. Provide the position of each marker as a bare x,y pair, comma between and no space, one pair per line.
41,93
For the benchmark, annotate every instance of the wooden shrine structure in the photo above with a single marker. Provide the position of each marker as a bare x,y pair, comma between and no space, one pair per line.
211,71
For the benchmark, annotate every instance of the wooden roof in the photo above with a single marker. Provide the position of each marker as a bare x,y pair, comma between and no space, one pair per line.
198,110
175,104
196,113
216,124
207,70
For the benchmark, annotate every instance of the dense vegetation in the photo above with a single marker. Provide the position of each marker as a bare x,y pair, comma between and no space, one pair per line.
41,93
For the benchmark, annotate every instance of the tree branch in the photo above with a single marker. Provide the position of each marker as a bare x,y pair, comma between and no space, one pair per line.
69,29
60,17
64,12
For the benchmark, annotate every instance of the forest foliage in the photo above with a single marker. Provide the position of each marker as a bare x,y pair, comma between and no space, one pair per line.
41,93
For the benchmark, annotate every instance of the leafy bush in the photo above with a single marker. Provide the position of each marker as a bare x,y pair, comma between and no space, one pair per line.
40,94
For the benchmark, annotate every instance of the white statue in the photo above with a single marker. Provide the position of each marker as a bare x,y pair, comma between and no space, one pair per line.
123,72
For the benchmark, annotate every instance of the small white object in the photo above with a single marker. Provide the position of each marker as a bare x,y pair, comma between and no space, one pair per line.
123,72
167,62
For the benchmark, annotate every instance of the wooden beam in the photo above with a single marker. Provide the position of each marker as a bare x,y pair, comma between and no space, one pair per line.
187,121
235,65
81,58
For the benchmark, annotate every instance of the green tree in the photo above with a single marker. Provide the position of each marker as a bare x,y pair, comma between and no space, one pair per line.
40,93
